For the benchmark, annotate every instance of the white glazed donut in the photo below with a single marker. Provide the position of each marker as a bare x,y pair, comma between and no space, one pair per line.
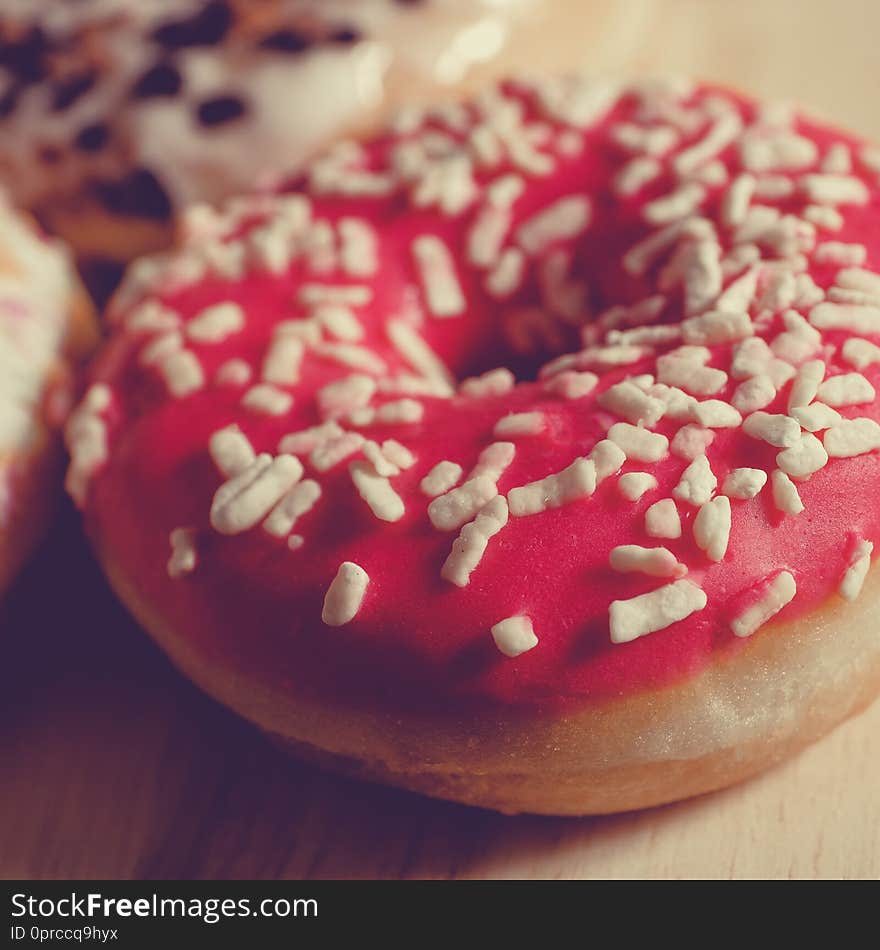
113,115
45,329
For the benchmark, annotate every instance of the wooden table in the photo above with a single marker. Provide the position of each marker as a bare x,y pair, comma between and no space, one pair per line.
113,765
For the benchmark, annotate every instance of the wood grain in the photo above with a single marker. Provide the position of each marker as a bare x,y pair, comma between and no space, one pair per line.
111,765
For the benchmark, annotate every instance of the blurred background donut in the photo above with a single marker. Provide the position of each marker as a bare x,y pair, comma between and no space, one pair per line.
113,114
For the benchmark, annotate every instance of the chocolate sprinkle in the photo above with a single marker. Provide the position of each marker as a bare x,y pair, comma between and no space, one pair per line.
286,41
219,110
26,58
137,195
345,36
92,138
206,28
163,79
66,92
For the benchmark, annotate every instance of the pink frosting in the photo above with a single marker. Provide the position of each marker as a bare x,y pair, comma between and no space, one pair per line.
254,601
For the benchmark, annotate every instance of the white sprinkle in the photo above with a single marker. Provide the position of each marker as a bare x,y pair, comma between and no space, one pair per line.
487,235
806,384
400,412
656,562
184,556
744,482
563,220
377,492
725,131
436,266
774,187
631,403
506,276
514,636
688,373
775,428
296,502
854,278
852,437
376,457
764,150
267,399
576,481
679,204
496,382
340,321
234,372
282,361
717,327
834,189
662,520
358,252
854,577
470,545
346,394
816,416
844,255
847,389
452,509
785,495
398,454
697,483
852,317
753,394
776,594
247,497
519,423
636,174
608,459
736,200
691,441
413,348
838,159
571,384
633,485
803,459
715,414
349,295
304,441
331,452
860,353
215,323
345,594
441,478
640,256
647,613
703,278
639,444
352,356
824,217
231,450
712,527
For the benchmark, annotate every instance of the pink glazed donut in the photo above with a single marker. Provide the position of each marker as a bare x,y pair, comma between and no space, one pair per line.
524,455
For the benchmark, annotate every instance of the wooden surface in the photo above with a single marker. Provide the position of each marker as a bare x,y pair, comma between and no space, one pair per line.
112,765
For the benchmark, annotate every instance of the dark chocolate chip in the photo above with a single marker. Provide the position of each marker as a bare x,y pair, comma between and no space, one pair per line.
205,28
9,100
163,79
137,195
286,41
219,110
26,58
345,36
66,92
92,138
50,154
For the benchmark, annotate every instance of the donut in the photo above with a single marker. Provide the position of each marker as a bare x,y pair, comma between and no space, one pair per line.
46,328
113,115
523,454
